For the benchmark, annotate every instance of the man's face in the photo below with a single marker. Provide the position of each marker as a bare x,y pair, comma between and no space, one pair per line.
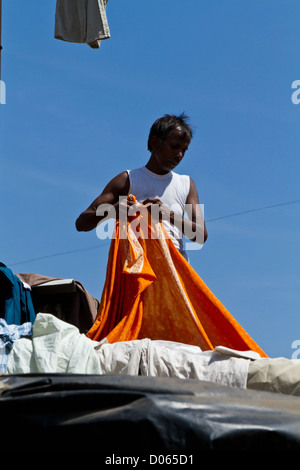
169,152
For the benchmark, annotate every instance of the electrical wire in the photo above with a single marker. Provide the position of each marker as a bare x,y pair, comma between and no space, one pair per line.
296,201
53,255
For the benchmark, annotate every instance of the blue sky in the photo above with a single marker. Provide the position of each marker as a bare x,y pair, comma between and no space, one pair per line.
75,117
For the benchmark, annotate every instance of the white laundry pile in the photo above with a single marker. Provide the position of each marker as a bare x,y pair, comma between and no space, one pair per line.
54,347
59,347
222,365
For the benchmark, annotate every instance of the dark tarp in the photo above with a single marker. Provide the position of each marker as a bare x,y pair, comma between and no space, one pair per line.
133,415
65,298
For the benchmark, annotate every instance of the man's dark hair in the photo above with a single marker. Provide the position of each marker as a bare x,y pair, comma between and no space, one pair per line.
166,124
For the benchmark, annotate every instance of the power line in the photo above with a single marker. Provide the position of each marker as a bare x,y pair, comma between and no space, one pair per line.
58,254
297,201
254,210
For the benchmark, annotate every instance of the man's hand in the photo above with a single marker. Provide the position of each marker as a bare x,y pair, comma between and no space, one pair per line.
194,228
158,210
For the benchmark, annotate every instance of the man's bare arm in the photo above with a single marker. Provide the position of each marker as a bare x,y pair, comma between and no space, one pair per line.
196,216
117,187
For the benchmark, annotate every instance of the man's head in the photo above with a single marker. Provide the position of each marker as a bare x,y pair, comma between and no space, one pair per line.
169,139
164,125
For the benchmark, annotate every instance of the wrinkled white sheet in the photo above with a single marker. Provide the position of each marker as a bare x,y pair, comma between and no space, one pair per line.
223,365
55,347
58,347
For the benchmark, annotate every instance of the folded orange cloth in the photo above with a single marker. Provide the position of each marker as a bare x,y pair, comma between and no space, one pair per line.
151,291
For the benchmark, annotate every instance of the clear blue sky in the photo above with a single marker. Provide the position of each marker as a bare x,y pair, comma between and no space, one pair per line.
75,117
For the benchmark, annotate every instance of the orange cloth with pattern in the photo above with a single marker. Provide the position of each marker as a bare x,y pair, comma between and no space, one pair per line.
151,291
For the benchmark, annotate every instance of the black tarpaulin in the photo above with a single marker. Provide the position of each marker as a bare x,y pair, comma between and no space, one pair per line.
144,415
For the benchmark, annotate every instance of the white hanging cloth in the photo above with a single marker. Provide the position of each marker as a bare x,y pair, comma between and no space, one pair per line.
81,21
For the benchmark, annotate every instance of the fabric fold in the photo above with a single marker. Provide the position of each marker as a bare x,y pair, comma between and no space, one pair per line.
54,347
151,291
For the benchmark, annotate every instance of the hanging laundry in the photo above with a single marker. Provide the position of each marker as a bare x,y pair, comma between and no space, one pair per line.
151,291
81,21
16,305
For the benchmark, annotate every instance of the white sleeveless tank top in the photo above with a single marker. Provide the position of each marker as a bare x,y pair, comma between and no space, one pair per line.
172,189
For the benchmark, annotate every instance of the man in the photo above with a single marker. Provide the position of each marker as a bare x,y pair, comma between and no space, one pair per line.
150,290
157,184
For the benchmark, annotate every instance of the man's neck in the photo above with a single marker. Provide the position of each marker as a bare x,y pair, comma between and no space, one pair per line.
151,166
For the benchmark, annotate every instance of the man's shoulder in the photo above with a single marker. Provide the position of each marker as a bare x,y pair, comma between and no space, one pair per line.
122,176
181,175
120,182
136,170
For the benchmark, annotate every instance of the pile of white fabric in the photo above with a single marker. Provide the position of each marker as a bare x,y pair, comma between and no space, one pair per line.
58,347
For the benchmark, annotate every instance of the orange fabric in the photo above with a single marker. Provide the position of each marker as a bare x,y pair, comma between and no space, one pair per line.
151,291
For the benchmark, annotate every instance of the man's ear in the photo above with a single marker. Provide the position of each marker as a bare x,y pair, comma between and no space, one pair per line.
155,141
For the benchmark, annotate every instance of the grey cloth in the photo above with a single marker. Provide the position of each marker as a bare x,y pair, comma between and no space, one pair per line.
279,375
81,21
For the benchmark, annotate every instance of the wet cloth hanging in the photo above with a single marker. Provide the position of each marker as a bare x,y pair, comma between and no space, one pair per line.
151,291
16,305
81,21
